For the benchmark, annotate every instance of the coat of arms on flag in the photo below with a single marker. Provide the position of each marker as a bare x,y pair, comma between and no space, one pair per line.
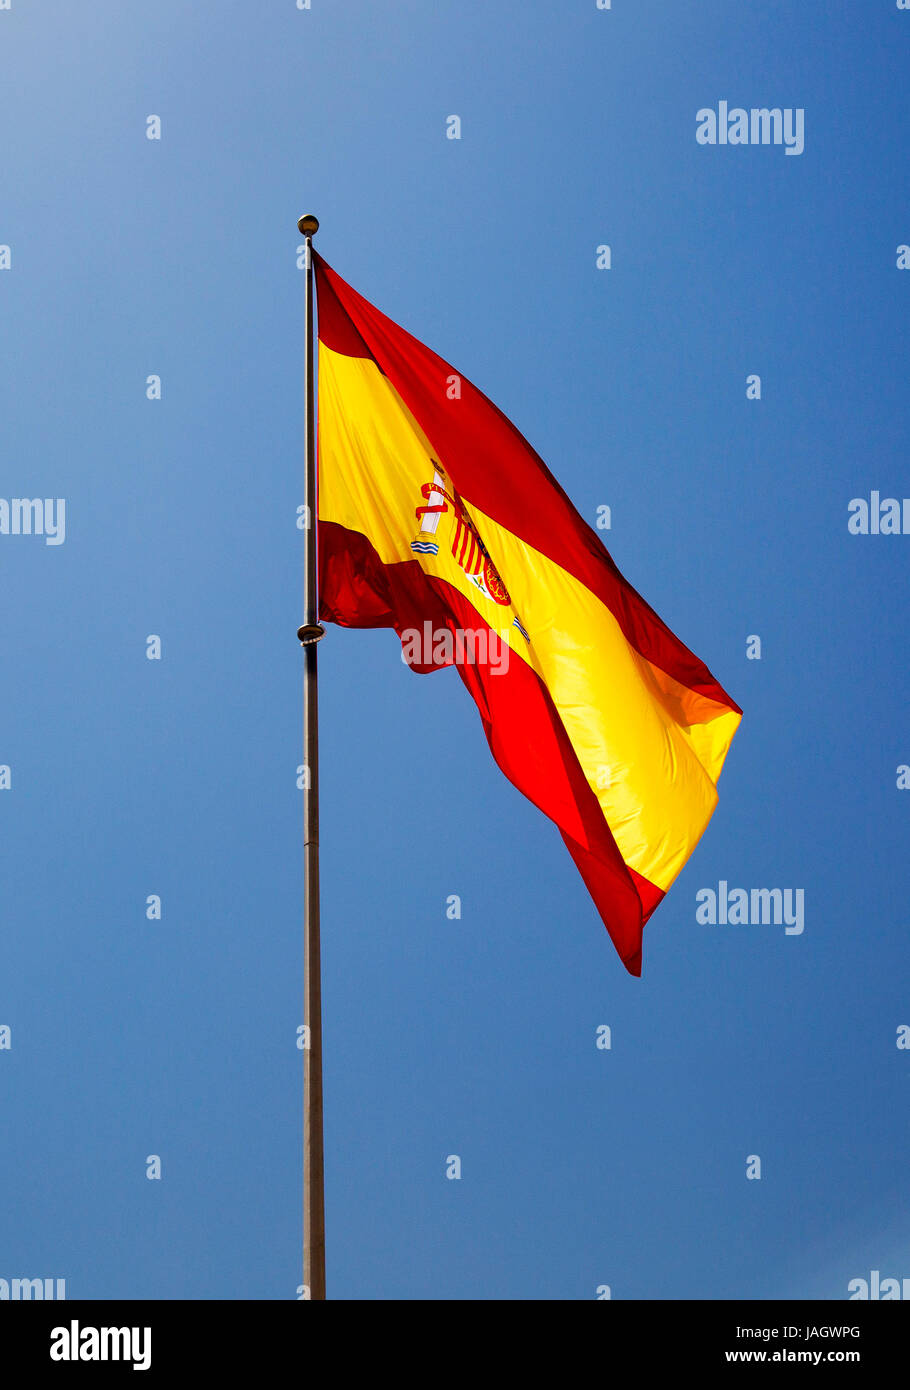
468,550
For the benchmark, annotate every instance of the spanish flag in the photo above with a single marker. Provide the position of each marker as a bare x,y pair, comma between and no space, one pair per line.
435,516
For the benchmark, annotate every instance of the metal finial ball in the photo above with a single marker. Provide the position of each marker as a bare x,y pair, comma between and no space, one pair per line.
308,224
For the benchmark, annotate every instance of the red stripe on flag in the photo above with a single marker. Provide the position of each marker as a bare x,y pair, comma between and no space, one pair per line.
461,540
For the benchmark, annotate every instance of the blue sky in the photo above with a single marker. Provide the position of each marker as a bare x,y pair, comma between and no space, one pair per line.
177,777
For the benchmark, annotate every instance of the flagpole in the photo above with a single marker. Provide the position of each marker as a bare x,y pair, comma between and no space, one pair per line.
309,634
